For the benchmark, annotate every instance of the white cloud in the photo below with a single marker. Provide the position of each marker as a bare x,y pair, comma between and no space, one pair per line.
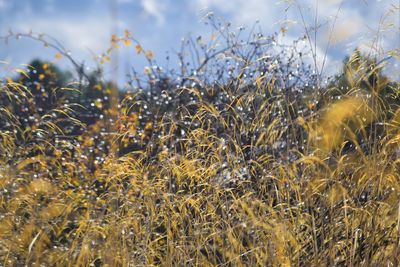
349,24
356,21
270,14
78,35
154,8
244,12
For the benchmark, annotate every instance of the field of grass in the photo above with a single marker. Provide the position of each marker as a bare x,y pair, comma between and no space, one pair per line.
244,160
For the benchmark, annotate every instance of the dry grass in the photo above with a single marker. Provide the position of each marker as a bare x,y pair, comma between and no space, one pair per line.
235,184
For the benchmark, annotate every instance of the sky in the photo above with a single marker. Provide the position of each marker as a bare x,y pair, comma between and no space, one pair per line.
85,26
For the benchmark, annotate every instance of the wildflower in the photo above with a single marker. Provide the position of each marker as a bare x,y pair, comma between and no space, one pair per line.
58,56
149,54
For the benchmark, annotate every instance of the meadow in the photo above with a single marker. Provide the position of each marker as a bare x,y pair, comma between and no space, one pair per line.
240,156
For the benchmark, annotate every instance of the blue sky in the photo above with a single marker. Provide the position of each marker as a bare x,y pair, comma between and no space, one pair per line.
85,26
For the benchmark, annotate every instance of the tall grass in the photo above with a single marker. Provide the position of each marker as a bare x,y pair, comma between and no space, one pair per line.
234,166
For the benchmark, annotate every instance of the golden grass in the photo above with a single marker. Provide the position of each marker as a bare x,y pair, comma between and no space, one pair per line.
205,199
